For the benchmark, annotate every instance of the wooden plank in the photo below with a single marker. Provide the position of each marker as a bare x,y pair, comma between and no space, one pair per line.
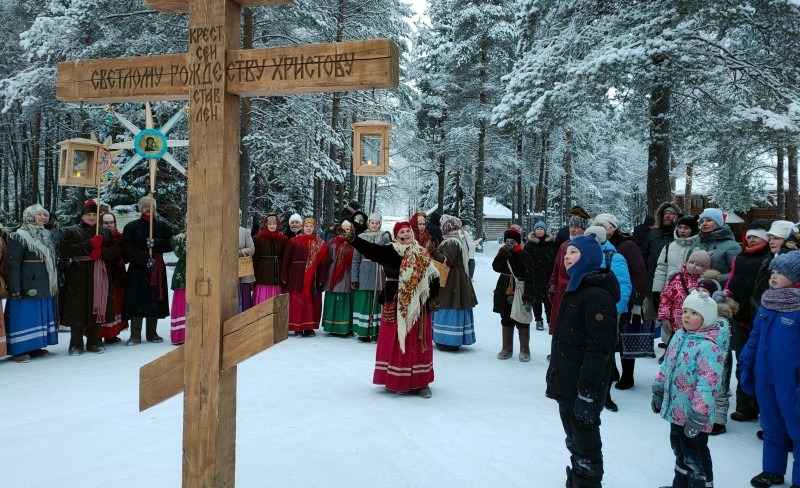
343,66
140,79
316,68
161,379
212,247
182,6
257,329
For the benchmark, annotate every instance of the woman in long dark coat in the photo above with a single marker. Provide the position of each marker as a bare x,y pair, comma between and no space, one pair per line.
32,287
270,246
304,269
511,258
541,246
88,299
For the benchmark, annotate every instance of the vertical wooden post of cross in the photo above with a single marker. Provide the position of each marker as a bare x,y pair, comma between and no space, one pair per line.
209,437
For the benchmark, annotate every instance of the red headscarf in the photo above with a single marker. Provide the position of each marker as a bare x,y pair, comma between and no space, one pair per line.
400,226
424,237
276,234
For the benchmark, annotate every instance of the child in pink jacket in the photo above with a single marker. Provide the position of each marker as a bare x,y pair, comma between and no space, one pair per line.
670,306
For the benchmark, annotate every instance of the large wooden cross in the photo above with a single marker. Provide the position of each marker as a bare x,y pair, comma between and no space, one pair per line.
212,76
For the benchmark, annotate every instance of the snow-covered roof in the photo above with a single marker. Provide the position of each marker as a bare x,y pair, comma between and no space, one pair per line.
491,209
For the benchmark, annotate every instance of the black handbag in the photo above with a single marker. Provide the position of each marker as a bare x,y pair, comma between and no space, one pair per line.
636,337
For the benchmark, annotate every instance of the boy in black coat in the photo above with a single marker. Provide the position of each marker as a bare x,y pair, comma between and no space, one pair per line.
581,357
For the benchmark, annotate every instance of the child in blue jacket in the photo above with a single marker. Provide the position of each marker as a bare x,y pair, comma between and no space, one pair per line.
686,386
770,367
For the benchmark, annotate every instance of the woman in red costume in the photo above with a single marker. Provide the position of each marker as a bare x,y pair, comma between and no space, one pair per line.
419,223
404,355
303,273
110,332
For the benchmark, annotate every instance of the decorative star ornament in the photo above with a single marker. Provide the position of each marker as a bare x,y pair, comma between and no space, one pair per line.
143,138
107,157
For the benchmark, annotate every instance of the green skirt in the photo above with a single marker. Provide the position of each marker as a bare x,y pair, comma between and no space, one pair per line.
366,307
337,313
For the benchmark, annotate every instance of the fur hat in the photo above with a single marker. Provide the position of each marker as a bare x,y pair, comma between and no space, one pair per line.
788,265
579,211
780,229
295,217
89,206
599,232
578,221
591,259
700,258
703,304
689,221
714,214
512,233
607,218
147,201
540,224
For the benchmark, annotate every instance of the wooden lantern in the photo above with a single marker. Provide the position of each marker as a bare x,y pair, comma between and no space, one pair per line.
78,163
371,148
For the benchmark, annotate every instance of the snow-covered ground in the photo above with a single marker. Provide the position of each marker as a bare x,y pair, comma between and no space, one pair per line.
309,416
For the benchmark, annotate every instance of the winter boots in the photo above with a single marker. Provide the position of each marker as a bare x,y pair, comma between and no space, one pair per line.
75,341
626,380
524,344
151,334
765,480
539,325
93,342
508,343
136,332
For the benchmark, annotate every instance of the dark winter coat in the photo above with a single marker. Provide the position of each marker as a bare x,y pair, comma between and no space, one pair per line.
543,254
459,293
742,284
657,239
433,228
640,233
26,270
77,296
386,256
523,267
562,236
293,267
267,259
143,299
637,270
584,341
724,246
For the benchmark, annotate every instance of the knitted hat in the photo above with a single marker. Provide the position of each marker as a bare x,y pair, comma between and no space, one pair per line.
669,209
714,214
788,265
758,228
295,218
780,228
578,221
690,222
512,233
703,304
540,224
607,218
376,216
599,232
89,206
700,258
712,286
591,259
400,226
147,201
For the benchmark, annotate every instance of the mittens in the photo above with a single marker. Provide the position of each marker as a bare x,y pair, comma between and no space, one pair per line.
694,424
747,381
584,410
658,398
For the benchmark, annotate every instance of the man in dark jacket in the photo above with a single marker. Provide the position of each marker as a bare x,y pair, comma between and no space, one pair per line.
582,349
146,295
563,233
434,220
666,216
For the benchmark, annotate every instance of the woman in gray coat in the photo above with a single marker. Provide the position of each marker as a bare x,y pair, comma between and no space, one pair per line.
717,237
367,280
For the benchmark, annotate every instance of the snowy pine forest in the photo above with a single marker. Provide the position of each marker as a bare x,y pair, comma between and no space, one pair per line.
542,104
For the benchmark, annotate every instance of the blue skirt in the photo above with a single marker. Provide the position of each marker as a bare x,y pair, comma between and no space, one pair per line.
453,327
30,324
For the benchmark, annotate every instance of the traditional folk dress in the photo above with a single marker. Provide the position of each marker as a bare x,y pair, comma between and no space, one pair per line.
267,259
337,315
246,248
404,355
370,279
423,238
177,315
32,284
109,331
303,270
453,323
